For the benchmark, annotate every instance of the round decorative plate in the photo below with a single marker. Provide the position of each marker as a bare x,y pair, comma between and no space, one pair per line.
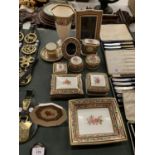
47,9
48,114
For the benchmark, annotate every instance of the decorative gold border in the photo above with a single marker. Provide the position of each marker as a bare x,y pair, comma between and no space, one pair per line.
62,93
95,89
88,13
62,72
118,125
67,41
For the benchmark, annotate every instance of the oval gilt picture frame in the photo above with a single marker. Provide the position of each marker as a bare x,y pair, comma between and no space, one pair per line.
71,47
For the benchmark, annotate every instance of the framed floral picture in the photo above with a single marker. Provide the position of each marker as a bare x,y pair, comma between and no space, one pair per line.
95,121
66,86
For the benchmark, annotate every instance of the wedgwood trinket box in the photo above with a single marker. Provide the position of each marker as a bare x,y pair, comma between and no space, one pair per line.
51,52
75,64
97,84
66,86
95,121
92,61
60,68
90,46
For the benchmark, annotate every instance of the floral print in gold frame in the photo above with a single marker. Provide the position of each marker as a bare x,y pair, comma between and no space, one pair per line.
95,121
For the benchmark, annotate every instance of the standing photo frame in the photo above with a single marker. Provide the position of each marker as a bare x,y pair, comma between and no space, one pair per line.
88,24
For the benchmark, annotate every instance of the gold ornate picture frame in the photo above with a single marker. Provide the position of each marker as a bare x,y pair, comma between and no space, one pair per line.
71,47
66,86
95,121
88,24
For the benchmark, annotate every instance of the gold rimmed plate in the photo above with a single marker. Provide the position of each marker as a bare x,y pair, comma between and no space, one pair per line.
48,114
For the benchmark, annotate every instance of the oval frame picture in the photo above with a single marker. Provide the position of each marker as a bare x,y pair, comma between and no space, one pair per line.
71,47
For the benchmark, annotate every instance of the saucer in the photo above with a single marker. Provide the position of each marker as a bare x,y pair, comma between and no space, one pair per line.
45,56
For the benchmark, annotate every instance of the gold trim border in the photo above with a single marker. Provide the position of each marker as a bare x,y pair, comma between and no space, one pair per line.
88,13
117,121
65,93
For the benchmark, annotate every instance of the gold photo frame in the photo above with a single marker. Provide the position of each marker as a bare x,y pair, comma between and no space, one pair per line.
88,24
66,86
95,121
71,47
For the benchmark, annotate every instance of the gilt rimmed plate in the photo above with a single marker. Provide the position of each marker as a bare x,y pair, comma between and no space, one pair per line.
48,114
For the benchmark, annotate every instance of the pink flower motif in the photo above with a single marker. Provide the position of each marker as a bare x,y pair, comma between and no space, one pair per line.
67,82
92,120
97,80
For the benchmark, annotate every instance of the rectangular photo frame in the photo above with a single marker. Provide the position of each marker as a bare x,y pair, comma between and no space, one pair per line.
88,24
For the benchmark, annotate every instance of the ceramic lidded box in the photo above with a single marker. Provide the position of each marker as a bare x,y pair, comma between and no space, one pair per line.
60,68
90,46
75,64
66,86
97,84
92,61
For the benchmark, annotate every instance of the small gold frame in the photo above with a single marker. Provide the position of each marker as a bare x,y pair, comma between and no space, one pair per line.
66,92
74,41
88,13
119,133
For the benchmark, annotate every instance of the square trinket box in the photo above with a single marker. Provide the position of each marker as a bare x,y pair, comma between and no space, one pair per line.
60,68
66,86
97,84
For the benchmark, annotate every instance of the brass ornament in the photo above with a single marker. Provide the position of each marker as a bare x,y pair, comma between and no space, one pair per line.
26,103
28,3
26,61
21,36
24,130
26,81
30,38
28,49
